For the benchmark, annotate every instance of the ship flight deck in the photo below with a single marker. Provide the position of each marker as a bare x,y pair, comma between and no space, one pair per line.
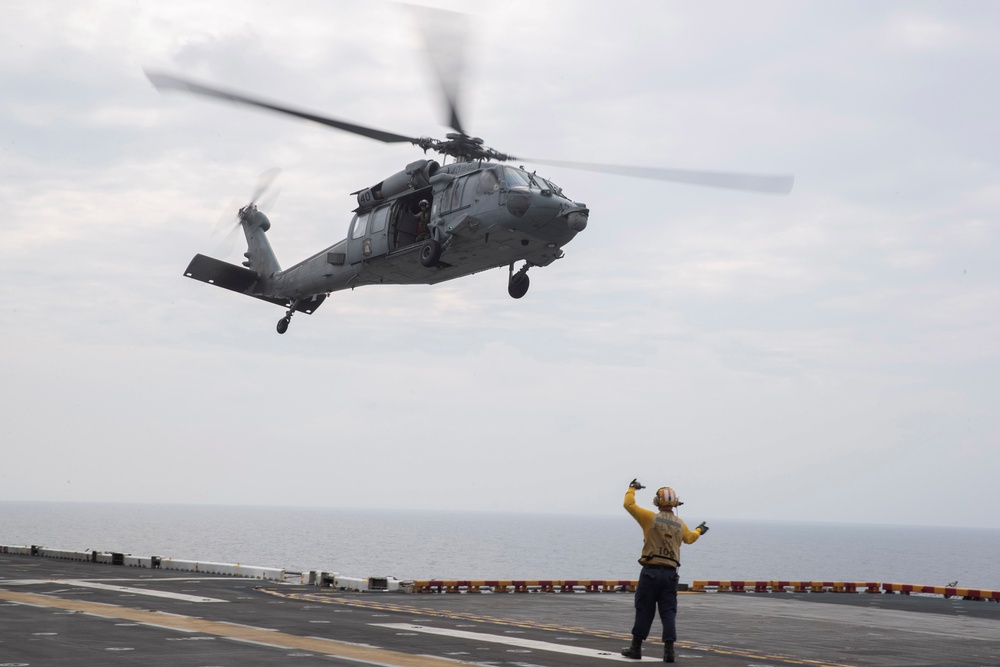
56,613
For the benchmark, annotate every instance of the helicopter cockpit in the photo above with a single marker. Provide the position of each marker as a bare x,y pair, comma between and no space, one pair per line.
475,189
519,177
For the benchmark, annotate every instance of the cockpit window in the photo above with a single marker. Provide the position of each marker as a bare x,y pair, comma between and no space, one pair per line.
516,177
360,226
488,181
548,185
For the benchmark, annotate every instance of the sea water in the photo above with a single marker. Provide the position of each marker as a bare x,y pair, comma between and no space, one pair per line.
483,545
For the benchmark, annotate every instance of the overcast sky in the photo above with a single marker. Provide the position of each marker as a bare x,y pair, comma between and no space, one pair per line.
830,355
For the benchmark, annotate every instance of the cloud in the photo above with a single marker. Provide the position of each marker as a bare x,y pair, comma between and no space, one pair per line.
834,344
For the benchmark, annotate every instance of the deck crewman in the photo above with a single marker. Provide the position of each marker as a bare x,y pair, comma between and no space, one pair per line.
663,533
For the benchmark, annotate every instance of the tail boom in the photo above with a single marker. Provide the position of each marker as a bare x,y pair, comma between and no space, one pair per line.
245,281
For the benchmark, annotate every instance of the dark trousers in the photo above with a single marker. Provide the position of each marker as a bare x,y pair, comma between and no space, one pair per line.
657,589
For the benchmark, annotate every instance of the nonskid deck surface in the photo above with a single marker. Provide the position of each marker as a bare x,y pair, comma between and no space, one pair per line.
70,613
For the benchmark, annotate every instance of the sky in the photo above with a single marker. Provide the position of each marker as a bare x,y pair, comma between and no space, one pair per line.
829,355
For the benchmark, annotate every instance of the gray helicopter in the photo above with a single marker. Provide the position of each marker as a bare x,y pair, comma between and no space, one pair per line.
430,222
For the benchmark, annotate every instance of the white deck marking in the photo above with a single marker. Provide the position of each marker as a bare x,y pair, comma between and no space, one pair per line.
508,640
138,591
324,639
243,640
165,627
87,583
252,627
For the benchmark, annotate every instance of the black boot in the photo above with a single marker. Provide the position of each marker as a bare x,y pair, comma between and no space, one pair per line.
668,652
634,650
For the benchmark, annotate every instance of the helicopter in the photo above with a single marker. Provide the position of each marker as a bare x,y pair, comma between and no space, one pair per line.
430,222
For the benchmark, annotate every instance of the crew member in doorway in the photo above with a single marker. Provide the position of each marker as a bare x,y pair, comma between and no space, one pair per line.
423,217
662,533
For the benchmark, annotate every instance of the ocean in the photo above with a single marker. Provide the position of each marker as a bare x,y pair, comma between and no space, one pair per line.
483,545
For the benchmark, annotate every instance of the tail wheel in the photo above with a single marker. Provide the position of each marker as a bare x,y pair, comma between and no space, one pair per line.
430,253
283,324
518,285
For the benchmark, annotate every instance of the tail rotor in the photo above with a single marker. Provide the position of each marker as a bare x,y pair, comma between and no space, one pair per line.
257,201
262,198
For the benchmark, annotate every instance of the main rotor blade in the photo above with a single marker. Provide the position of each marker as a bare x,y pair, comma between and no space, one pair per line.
445,34
771,184
167,82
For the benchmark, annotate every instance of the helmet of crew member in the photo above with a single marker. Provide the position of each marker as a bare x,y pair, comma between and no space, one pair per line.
666,497
424,203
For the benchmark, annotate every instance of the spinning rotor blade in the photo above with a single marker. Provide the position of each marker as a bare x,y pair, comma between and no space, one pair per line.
444,36
230,224
770,184
167,82
264,182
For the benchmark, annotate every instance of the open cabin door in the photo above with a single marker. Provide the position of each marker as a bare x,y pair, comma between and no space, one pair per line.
369,235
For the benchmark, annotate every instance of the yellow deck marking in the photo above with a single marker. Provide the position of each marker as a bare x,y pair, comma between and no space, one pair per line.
240,633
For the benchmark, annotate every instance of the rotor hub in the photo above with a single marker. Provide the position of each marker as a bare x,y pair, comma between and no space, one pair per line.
462,147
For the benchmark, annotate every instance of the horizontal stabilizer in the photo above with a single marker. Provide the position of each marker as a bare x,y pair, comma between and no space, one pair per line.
221,274
238,279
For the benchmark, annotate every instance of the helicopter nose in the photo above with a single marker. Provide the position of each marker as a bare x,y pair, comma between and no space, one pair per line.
577,220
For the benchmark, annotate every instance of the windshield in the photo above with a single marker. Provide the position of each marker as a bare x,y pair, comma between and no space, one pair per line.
547,185
516,177
519,177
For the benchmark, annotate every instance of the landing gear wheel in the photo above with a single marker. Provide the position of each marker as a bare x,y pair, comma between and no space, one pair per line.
518,285
430,253
287,319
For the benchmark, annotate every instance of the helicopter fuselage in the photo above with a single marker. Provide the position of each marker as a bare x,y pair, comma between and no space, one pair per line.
481,215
